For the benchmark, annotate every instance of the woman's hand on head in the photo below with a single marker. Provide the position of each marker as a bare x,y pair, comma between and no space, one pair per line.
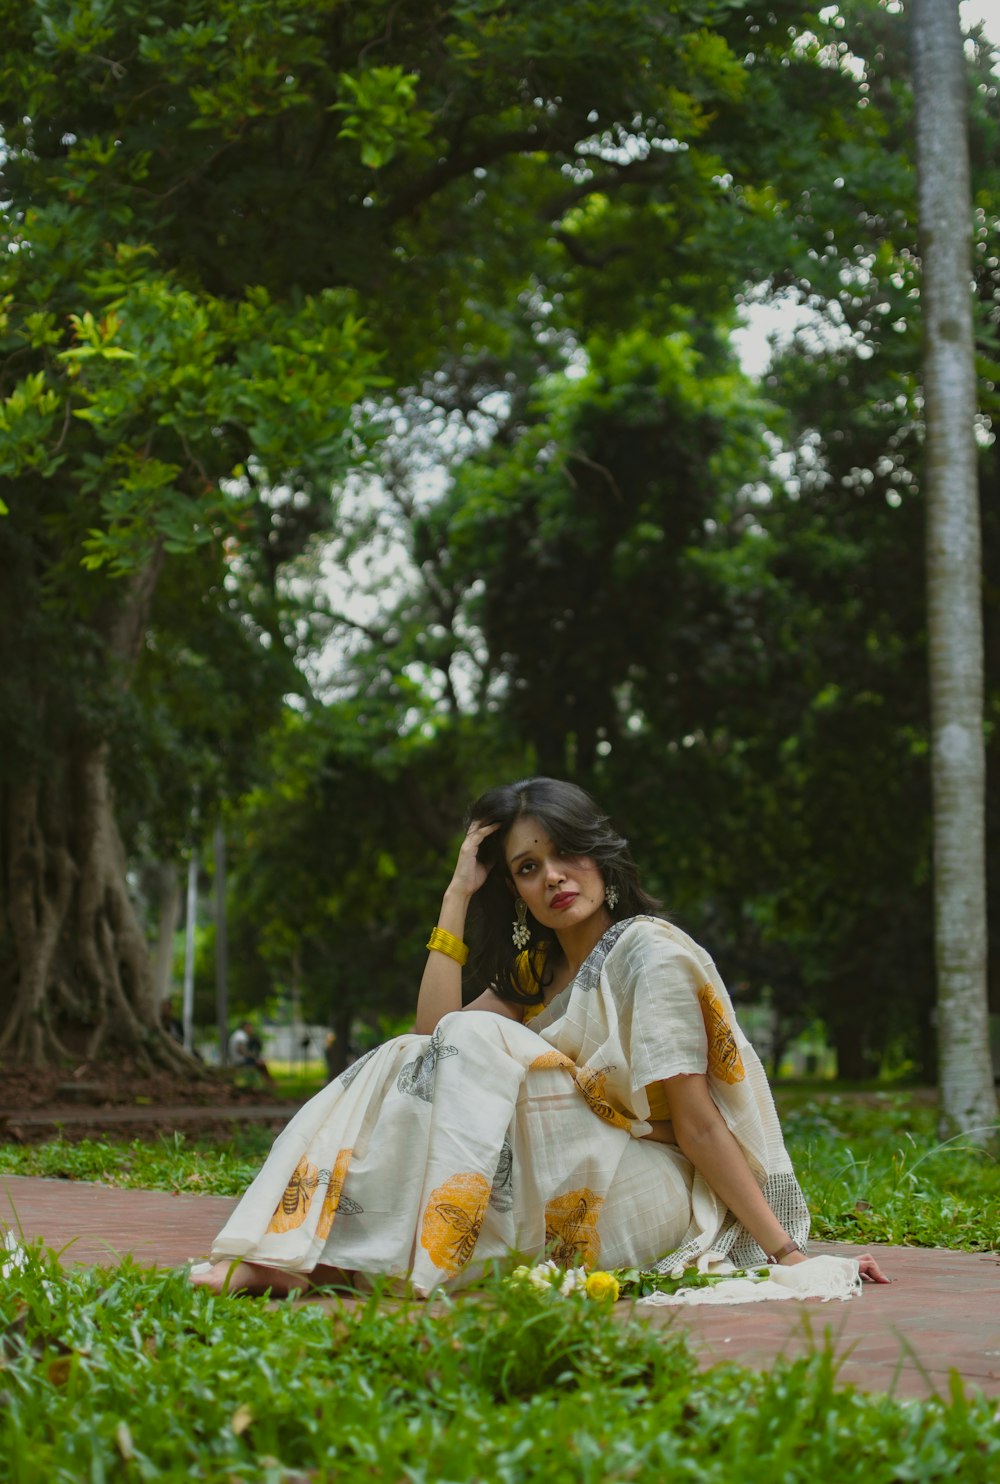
470,872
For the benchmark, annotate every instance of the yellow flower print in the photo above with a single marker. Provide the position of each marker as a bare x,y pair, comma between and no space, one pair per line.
724,1060
551,1061
571,1228
293,1207
453,1220
331,1200
591,1084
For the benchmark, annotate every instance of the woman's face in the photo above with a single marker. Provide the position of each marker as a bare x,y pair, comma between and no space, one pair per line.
561,891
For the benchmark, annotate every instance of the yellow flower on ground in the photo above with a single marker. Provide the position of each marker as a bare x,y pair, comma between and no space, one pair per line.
602,1286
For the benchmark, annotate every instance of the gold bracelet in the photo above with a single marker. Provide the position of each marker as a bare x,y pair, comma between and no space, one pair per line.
448,944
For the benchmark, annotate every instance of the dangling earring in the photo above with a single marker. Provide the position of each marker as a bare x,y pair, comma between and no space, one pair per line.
611,897
522,932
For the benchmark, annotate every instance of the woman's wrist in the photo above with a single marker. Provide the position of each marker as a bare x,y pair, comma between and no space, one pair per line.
457,895
789,1249
441,941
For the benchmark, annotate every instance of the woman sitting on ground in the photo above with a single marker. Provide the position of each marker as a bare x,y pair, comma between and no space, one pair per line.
597,1103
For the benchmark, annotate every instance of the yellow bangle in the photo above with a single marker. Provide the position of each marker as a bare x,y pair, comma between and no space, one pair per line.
448,944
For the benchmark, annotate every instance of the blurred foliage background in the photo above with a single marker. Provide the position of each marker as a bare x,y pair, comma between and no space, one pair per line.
374,366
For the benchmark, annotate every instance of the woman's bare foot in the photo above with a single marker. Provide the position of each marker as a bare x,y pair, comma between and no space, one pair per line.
248,1277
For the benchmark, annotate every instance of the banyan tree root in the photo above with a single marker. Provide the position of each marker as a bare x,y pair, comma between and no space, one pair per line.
80,977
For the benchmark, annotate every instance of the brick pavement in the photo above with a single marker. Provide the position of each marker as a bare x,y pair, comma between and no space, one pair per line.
942,1312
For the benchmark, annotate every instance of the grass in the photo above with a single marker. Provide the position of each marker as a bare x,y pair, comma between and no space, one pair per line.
172,1163
874,1170
119,1375
295,1080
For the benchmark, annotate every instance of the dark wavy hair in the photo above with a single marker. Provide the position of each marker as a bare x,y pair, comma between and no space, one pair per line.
575,824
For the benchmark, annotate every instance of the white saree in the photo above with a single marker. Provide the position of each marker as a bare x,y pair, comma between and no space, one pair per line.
434,1155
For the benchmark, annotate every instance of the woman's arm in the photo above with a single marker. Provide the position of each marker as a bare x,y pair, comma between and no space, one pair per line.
441,985
703,1135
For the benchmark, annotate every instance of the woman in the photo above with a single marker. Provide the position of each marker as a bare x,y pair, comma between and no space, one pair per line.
596,1102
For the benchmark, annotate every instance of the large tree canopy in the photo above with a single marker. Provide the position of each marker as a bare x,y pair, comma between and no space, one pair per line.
259,255
201,202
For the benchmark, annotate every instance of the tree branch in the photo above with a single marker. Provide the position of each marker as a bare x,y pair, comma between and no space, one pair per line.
375,635
516,141
586,259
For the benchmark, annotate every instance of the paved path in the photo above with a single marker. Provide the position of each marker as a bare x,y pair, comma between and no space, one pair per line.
942,1312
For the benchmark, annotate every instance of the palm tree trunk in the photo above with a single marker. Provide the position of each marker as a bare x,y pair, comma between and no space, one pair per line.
954,598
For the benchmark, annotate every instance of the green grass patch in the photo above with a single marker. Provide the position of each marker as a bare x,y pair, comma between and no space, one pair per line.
172,1163
874,1170
288,1081
294,1081
117,1374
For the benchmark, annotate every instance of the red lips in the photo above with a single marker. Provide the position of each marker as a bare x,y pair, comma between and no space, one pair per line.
563,899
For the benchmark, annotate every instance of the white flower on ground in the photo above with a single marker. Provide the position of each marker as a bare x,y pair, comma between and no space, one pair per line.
545,1275
18,1257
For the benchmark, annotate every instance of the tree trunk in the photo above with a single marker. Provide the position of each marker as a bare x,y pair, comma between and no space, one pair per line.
76,981
221,947
168,900
954,616
341,1018
854,1059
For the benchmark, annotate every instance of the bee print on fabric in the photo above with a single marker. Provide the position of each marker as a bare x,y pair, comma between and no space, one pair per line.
571,1228
347,1077
306,1179
724,1060
297,1197
591,1083
417,1077
453,1220
335,1201
502,1189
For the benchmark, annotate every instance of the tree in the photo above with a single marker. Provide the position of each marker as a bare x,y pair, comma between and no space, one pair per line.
954,580
201,202
222,212
796,827
842,750
145,420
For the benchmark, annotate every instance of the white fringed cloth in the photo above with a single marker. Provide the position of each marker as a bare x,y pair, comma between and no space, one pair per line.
823,1278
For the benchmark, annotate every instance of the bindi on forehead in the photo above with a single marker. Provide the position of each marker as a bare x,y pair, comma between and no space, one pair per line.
535,844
